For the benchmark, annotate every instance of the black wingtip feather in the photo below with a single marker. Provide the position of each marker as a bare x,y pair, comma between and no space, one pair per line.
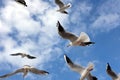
94,78
65,12
60,28
108,66
67,59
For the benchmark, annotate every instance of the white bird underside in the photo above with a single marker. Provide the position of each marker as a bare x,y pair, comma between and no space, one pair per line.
62,6
85,72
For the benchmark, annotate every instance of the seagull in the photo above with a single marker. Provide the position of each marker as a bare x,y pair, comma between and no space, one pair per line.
23,55
25,70
21,2
62,6
82,40
111,73
85,72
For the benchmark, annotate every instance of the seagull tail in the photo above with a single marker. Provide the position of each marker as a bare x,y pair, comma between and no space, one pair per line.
90,66
69,5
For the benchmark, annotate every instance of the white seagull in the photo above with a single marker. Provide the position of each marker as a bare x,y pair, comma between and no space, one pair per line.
62,6
82,40
84,72
23,55
111,73
21,2
25,71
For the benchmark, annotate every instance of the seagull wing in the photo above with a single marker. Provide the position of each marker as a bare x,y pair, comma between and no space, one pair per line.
90,77
16,54
59,3
84,37
111,72
36,71
21,2
74,67
64,34
30,57
10,74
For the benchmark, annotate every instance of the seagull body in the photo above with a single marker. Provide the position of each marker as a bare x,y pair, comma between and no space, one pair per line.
62,6
85,72
82,40
23,55
111,73
21,2
25,71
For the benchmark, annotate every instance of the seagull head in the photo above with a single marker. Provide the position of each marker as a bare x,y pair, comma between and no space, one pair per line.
26,66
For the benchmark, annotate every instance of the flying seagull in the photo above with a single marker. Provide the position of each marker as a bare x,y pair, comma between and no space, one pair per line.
82,40
25,70
62,6
23,55
21,2
84,72
111,73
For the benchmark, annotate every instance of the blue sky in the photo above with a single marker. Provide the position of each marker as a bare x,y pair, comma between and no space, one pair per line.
33,30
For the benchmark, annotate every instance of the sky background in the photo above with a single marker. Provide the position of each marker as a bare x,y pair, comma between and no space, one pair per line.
33,30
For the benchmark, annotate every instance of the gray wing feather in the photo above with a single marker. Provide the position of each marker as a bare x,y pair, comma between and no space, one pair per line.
112,74
59,3
16,54
70,36
74,67
36,71
10,74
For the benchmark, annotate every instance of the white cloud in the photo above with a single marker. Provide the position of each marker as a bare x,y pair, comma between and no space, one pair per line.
80,11
108,16
110,6
36,37
107,22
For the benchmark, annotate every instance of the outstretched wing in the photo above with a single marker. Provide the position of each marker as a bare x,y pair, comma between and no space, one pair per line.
73,66
16,54
111,72
21,2
10,74
84,37
36,71
30,57
64,34
59,3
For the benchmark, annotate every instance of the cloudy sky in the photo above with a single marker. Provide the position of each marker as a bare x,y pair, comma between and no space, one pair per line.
33,30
